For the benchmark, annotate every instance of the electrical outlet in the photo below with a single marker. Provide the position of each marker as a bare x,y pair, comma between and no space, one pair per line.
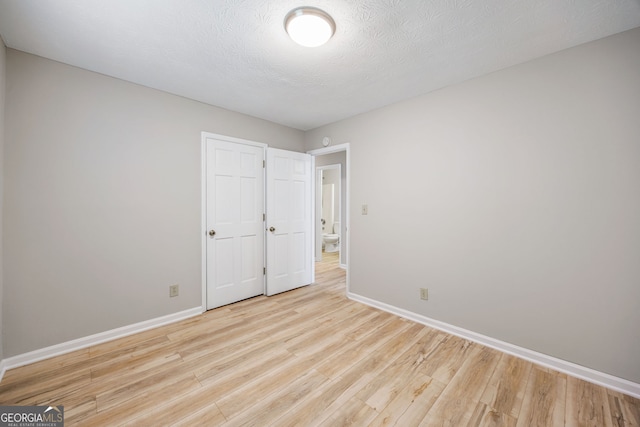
424,293
174,290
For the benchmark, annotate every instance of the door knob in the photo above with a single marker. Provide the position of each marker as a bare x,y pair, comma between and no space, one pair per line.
212,233
272,229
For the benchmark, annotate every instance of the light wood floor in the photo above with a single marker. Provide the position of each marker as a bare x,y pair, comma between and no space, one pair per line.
308,357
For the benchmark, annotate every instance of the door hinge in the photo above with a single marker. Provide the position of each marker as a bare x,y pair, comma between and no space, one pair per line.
264,217
264,271
264,164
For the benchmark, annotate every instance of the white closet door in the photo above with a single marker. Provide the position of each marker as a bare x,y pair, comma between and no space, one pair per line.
234,217
289,261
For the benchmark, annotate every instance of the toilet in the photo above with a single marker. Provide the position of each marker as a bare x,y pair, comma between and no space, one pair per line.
331,242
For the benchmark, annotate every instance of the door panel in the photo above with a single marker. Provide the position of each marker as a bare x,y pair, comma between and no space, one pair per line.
289,263
234,208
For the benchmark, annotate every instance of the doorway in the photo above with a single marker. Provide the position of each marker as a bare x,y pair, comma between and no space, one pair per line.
325,157
328,224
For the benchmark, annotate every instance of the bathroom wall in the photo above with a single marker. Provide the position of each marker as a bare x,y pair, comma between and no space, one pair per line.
102,200
514,198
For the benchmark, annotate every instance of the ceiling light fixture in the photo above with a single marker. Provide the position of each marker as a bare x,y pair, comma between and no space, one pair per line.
309,26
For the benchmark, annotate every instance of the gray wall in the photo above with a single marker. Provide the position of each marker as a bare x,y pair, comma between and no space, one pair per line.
102,200
3,58
514,198
341,159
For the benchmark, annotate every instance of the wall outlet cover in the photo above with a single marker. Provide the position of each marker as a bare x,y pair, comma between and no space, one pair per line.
174,290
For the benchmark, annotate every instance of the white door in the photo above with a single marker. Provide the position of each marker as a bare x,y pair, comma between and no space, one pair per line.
234,219
289,262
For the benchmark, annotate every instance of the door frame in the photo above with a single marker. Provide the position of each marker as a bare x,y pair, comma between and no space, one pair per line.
346,147
203,203
317,229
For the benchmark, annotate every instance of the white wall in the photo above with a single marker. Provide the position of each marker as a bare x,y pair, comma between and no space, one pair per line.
514,198
3,58
102,200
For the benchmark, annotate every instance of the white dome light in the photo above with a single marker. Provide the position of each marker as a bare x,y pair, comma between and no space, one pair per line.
309,27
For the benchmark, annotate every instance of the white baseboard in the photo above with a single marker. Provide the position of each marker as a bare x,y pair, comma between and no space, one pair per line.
91,340
3,369
600,378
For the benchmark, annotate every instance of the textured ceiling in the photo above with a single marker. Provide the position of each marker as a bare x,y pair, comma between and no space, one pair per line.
235,53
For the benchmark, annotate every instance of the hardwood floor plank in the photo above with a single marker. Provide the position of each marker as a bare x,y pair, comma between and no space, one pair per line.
232,403
337,364
157,393
587,404
237,375
270,407
457,402
215,368
364,371
237,400
322,402
107,383
411,404
229,332
81,410
359,375
487,417
128,343
183,407
625,410
18,375
447,358
506,388
544,400
171,373
209,415
44,386
396,376
328,336
376,319
353,413
221,346
137,358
